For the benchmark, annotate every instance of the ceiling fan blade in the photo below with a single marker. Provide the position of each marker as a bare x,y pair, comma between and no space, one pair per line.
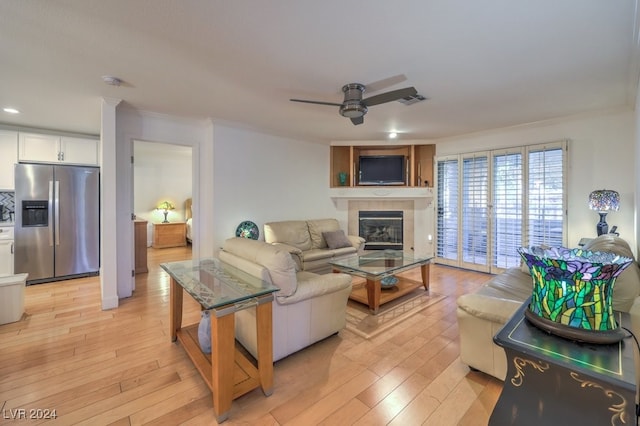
315,102
384,83
357,120
394,95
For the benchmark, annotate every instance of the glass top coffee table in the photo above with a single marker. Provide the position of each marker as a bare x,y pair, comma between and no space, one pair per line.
379,269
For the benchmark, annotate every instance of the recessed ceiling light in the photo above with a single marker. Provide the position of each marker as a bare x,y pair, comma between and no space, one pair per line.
11,110
393,135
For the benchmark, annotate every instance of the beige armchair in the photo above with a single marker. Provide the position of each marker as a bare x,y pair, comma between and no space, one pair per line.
307,308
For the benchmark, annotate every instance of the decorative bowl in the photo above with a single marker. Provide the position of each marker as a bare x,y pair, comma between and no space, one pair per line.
389,281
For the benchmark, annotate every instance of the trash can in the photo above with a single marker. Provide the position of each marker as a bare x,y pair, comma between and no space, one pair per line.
12,297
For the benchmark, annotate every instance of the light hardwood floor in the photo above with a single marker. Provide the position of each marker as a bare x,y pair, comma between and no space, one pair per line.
119,367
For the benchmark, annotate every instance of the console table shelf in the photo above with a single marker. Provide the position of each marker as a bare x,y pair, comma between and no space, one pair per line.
246,376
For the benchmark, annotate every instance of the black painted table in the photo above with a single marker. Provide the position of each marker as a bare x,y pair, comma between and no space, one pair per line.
554,381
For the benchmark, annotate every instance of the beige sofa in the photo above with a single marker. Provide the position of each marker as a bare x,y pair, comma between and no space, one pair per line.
313,243
483,313
307,308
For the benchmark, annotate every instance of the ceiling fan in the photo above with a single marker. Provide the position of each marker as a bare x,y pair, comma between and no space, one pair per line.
354,107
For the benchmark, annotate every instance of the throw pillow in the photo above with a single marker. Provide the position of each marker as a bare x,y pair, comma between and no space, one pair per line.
336,239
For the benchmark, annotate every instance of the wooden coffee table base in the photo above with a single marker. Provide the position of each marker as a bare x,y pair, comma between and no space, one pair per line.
372,294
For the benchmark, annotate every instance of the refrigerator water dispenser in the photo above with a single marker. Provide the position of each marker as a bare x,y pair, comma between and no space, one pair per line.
35,213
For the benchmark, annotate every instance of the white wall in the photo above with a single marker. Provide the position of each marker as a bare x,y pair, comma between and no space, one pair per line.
237,175
266,178
134,125
108,204
161,172
636,175
601,155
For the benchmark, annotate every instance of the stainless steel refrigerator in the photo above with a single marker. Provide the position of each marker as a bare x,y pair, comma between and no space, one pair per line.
57,222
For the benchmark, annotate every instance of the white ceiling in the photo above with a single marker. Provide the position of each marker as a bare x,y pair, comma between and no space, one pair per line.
482,64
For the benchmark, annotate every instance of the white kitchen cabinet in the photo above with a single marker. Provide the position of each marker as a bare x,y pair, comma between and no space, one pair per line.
79,150
8,157
6,250
6,257
39,148
42,148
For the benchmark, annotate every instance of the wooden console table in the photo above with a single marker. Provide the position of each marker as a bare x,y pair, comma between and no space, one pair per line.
223,290
554,381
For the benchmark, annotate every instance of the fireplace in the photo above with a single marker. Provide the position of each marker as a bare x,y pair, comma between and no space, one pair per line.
382,230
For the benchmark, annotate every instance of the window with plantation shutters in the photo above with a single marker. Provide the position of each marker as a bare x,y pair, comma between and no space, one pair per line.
545,201
506,205
489,204
475,204
447,213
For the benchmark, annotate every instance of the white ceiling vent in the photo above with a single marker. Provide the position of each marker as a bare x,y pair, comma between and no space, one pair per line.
410,100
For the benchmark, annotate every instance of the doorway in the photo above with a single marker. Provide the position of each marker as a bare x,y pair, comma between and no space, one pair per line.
162,195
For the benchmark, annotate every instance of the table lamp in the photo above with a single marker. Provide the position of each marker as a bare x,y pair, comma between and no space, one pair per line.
166,206
573,292
604,200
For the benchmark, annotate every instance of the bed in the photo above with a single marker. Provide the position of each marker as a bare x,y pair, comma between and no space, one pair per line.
188,218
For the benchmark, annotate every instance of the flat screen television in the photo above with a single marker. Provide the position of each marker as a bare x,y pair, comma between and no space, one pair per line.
382,170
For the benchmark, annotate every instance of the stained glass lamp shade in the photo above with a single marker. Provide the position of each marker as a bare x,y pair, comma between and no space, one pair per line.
603,201
166,206
573,292
248,229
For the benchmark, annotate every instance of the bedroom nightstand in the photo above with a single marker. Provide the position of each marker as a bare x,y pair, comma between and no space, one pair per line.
172,234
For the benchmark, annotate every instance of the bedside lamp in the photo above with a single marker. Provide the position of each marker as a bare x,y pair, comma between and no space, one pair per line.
603,201
166,206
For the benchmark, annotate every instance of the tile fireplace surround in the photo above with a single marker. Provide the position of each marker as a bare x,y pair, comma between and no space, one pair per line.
415,203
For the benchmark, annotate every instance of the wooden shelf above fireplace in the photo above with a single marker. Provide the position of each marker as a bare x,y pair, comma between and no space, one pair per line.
381,192
419,160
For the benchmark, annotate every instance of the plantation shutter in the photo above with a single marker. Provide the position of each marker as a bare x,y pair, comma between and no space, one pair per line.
475,204
507,218
447,210
546,198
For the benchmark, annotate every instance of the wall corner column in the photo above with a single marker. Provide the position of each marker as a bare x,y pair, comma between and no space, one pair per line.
108,201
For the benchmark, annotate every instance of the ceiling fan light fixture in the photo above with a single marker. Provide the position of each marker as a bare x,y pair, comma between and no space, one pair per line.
355,107
353,91
353,110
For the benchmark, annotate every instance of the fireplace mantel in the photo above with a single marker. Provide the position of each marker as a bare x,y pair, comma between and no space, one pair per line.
382,192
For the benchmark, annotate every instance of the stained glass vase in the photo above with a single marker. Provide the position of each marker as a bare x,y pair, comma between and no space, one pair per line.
573,291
